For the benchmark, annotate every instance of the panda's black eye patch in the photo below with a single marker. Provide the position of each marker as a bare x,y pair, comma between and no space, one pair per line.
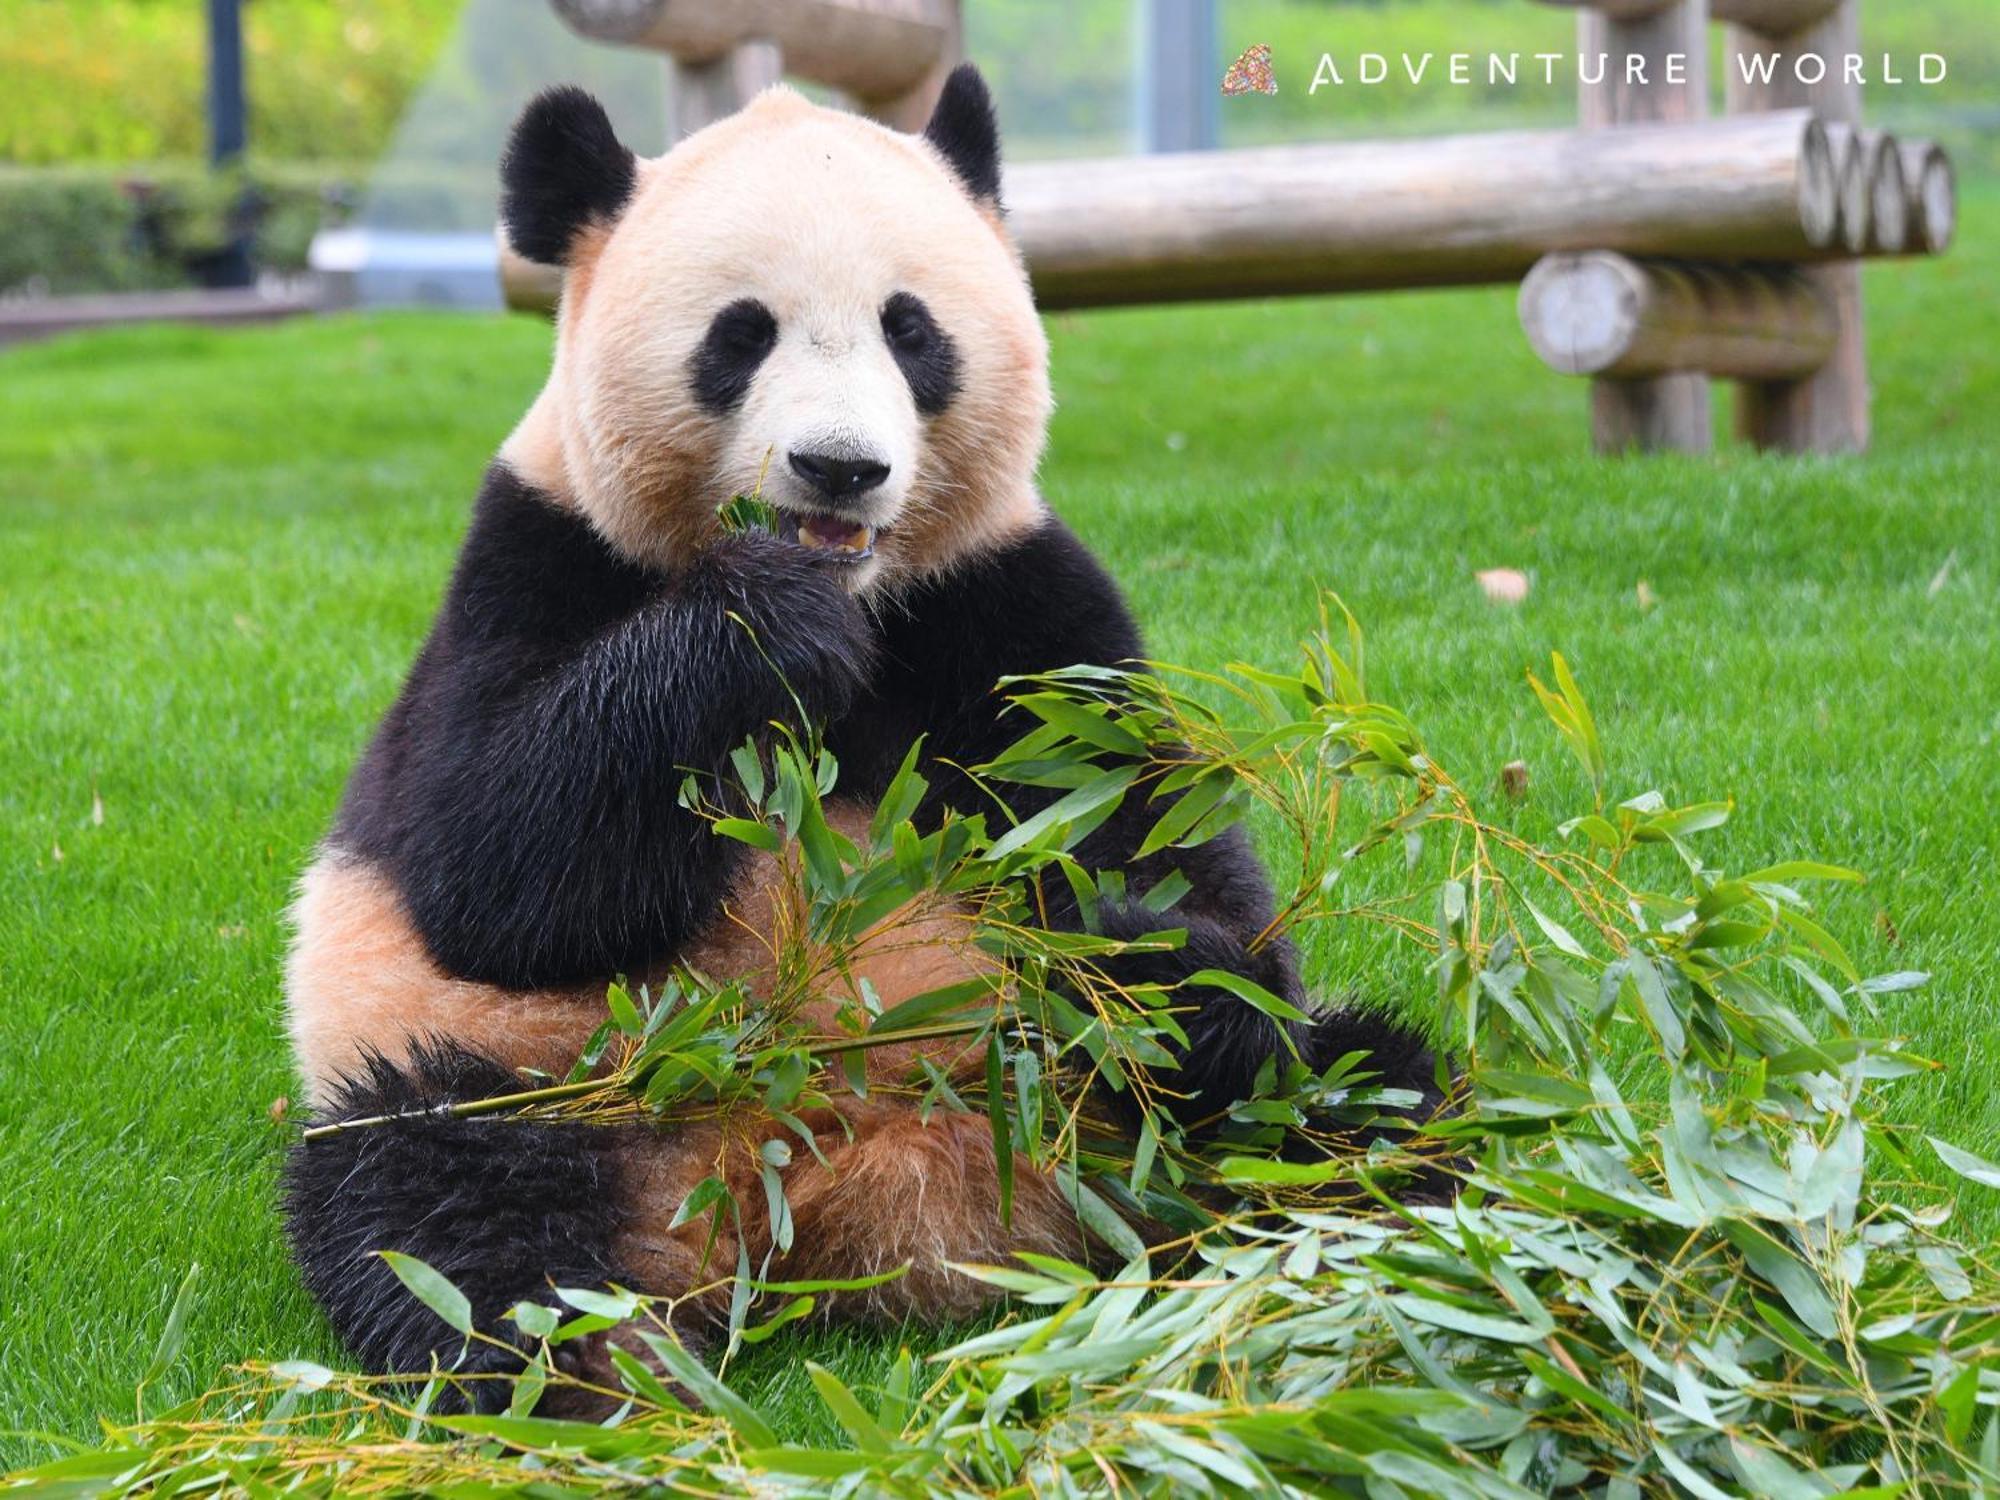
924,352
737,342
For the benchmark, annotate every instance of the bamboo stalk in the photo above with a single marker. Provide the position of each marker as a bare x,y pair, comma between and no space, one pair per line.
467,1109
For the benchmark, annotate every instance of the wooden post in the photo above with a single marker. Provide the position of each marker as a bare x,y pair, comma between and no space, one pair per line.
910,109
704,92
1827,412
1179,95
1605,315
1639,85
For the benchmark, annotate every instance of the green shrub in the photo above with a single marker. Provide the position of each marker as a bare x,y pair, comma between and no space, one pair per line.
89,228
123,80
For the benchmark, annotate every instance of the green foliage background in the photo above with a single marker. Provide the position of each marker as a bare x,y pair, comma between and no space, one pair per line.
120,81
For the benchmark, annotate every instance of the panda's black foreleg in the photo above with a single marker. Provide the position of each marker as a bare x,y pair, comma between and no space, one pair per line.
505,1210
1229,1040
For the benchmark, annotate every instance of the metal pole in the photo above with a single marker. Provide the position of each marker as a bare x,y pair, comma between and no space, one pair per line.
228,130
1179,76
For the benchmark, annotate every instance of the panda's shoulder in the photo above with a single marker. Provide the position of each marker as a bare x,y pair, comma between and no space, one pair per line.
1038,599
531,568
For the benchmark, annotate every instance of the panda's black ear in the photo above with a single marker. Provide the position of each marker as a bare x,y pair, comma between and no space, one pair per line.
564,168
966,133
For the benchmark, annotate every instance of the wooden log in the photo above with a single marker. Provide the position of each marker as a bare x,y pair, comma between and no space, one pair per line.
876,50
1438,211
1441,211
1773,17
526,285
1607,315
1638,83
1933,197
910,109
1827,412
1621,10
1874,205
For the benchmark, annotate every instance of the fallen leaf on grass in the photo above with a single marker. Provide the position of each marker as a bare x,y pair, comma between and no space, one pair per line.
1647,598
1503,585
1943,575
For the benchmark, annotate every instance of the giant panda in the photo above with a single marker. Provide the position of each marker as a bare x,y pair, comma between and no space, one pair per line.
804,303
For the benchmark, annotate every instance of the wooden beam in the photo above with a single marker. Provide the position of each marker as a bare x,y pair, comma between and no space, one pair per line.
1606,315
1874,203
1774,17
704,92
1638,85
1827,412
1438,211
876,50
910,109
1933,197
1622,10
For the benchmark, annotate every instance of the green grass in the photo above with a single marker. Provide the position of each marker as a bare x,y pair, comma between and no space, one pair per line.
218,552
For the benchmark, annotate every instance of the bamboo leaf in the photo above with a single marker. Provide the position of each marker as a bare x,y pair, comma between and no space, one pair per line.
432,1288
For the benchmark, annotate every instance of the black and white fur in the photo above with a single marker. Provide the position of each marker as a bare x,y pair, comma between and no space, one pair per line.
517,806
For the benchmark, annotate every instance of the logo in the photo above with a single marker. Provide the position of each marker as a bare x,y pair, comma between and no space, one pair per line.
1251,73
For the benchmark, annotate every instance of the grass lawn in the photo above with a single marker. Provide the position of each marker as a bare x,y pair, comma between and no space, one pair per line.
218,552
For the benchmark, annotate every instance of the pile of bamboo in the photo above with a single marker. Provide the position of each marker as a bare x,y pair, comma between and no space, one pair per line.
1656,254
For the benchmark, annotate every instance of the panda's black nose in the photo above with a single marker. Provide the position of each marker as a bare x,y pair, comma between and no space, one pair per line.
837,476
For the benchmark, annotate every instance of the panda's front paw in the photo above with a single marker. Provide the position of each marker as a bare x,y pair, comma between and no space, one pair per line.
801,618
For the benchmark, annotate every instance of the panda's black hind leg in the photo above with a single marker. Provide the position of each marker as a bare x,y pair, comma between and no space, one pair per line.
503,1210
1229,1041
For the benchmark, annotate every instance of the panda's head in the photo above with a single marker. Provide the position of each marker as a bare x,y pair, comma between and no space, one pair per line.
794,302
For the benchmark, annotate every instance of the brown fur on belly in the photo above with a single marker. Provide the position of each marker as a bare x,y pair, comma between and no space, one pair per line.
895,1188
359,977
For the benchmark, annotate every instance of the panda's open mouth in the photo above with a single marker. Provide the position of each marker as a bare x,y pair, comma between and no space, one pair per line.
849,541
